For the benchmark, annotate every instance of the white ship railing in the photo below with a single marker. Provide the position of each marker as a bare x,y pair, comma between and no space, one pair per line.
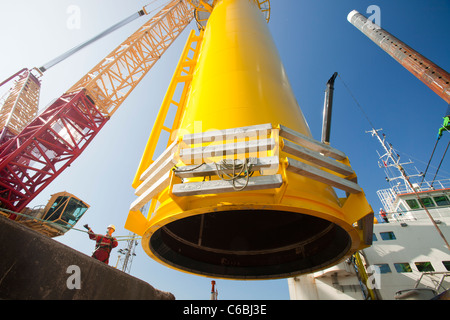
420,214
437,278
421,187
388,196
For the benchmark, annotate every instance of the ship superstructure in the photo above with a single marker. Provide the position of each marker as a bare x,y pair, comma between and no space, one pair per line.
409,257
410,253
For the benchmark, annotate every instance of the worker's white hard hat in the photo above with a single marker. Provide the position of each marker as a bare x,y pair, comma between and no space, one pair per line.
112,227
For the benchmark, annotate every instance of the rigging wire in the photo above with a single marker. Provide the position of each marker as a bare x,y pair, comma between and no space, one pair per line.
101,35
239,170
357,103
429,161
404,174
439,137
373,127
244,172
421,161
442,159
48,222
83,45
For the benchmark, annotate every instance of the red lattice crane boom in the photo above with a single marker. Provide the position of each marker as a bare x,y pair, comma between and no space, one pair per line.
57,136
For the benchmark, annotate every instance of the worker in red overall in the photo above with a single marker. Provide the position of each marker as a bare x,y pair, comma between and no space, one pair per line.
104,244
383,215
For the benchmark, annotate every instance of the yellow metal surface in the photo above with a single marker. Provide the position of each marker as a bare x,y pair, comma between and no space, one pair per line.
241,78
182,76
239,81
364,276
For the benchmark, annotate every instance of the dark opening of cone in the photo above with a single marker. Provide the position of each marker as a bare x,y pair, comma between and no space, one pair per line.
250,244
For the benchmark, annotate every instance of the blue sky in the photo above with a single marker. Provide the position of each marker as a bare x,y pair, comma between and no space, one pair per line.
314,40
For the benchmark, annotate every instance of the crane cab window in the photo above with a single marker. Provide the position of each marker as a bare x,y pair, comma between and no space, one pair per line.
74,210
66,210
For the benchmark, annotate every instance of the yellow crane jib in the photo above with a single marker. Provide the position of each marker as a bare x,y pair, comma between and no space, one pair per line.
110,82
242,190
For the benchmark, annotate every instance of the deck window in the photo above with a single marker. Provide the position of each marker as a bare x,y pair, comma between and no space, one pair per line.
446,265
424,266
383,268
388,235
442,201
413,204
402,267
427,202
374,237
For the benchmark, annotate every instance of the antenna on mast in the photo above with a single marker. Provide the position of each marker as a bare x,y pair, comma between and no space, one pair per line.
126,255
391,158
395,158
